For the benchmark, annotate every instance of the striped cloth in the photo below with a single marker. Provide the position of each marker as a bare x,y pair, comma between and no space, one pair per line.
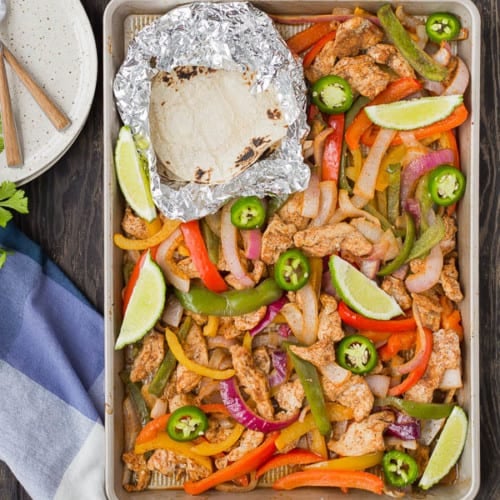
51,377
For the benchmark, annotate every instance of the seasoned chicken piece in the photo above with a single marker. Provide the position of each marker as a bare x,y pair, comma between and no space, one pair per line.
259,270
249,441
356,394
363,75
227,328
383,53
329,323
133,225
195,348
199,319
290,396
449,281
429,309
323,63
277,238
262,359
249,320
355,35
333,377
179,400
149,358
363,437
291,210
187,267
325,240
169,463
448,243
445,355
320,354
396,288
218,428
253,380
137,464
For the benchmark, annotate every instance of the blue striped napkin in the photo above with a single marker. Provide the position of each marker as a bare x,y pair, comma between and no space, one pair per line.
51,377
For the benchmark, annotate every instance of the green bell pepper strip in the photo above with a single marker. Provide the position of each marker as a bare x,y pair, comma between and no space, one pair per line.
400,259
309,379
420,61
248,213
446,185
442,26
423,196
292,270
429,239
393,190
200,300
168,364
212,241
136,397
187,423
357,354
370,208
332,94
400,469
431,411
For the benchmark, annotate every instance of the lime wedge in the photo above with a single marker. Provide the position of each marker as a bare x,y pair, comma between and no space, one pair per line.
132,178
413,113
361,293
448,448
145,306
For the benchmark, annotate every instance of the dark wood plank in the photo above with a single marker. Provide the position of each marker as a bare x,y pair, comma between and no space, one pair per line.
66,219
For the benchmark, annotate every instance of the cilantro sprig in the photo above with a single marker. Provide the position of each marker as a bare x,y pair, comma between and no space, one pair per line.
11,198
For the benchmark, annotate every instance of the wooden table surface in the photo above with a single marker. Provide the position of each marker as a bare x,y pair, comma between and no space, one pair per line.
66,219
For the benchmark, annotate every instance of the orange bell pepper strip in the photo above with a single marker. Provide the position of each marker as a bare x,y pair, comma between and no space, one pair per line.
332,151
127,293
333,478
356,320
418,372
209,273
297,456
316,48
248,463
451,317
393,92
397,342
455,119
169,226
308,37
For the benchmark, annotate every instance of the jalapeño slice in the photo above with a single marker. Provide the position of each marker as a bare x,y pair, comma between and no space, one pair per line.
400,469
357,354
187,423
332,94
446,185
248,213
292,270
442,26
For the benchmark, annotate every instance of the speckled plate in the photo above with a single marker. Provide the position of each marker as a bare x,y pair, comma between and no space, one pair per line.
53,39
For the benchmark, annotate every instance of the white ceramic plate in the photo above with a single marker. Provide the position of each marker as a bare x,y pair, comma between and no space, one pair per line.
53,39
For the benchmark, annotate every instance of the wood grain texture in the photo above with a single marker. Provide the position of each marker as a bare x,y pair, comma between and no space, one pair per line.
66,219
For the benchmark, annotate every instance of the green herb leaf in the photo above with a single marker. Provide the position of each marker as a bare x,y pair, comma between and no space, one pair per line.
13,199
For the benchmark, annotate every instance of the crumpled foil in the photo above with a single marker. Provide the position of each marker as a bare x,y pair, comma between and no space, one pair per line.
229,36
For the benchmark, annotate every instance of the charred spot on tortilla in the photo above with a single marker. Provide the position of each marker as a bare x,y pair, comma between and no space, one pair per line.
152,62
213,125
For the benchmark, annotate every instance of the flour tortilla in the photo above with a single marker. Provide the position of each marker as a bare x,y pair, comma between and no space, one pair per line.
207,127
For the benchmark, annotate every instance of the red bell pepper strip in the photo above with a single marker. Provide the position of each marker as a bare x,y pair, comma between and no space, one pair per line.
209,273
135,275
298,456
316,48
393,92
418,372
333,478
455,119
356,320
308,37
248,463
332,152
397,342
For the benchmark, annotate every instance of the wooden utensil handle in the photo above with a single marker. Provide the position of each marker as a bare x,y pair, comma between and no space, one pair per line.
54,114
12,149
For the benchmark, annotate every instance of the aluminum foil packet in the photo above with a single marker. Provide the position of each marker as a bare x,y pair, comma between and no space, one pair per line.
229,36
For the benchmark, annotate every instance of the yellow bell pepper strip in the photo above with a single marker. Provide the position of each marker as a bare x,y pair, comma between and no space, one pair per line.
297,456
177,350
350,463
209,449
335,412
169,226
316,273
318,444
153,227
247,341
248,463
165,442
210,329
333,478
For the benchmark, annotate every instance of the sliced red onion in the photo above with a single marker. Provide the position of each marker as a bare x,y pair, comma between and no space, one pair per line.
402,272
252,242
460,80
271,312
378,384
294,318
308,302
240,411
319,145
284,330
451,379
405,427
430,429
310,204
370,267
172,273
429,276
420,166
443,55
371,231
220,341
417,357
412,206
436,88
328,202
327,285
159,408
173,312
316,18
278,375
